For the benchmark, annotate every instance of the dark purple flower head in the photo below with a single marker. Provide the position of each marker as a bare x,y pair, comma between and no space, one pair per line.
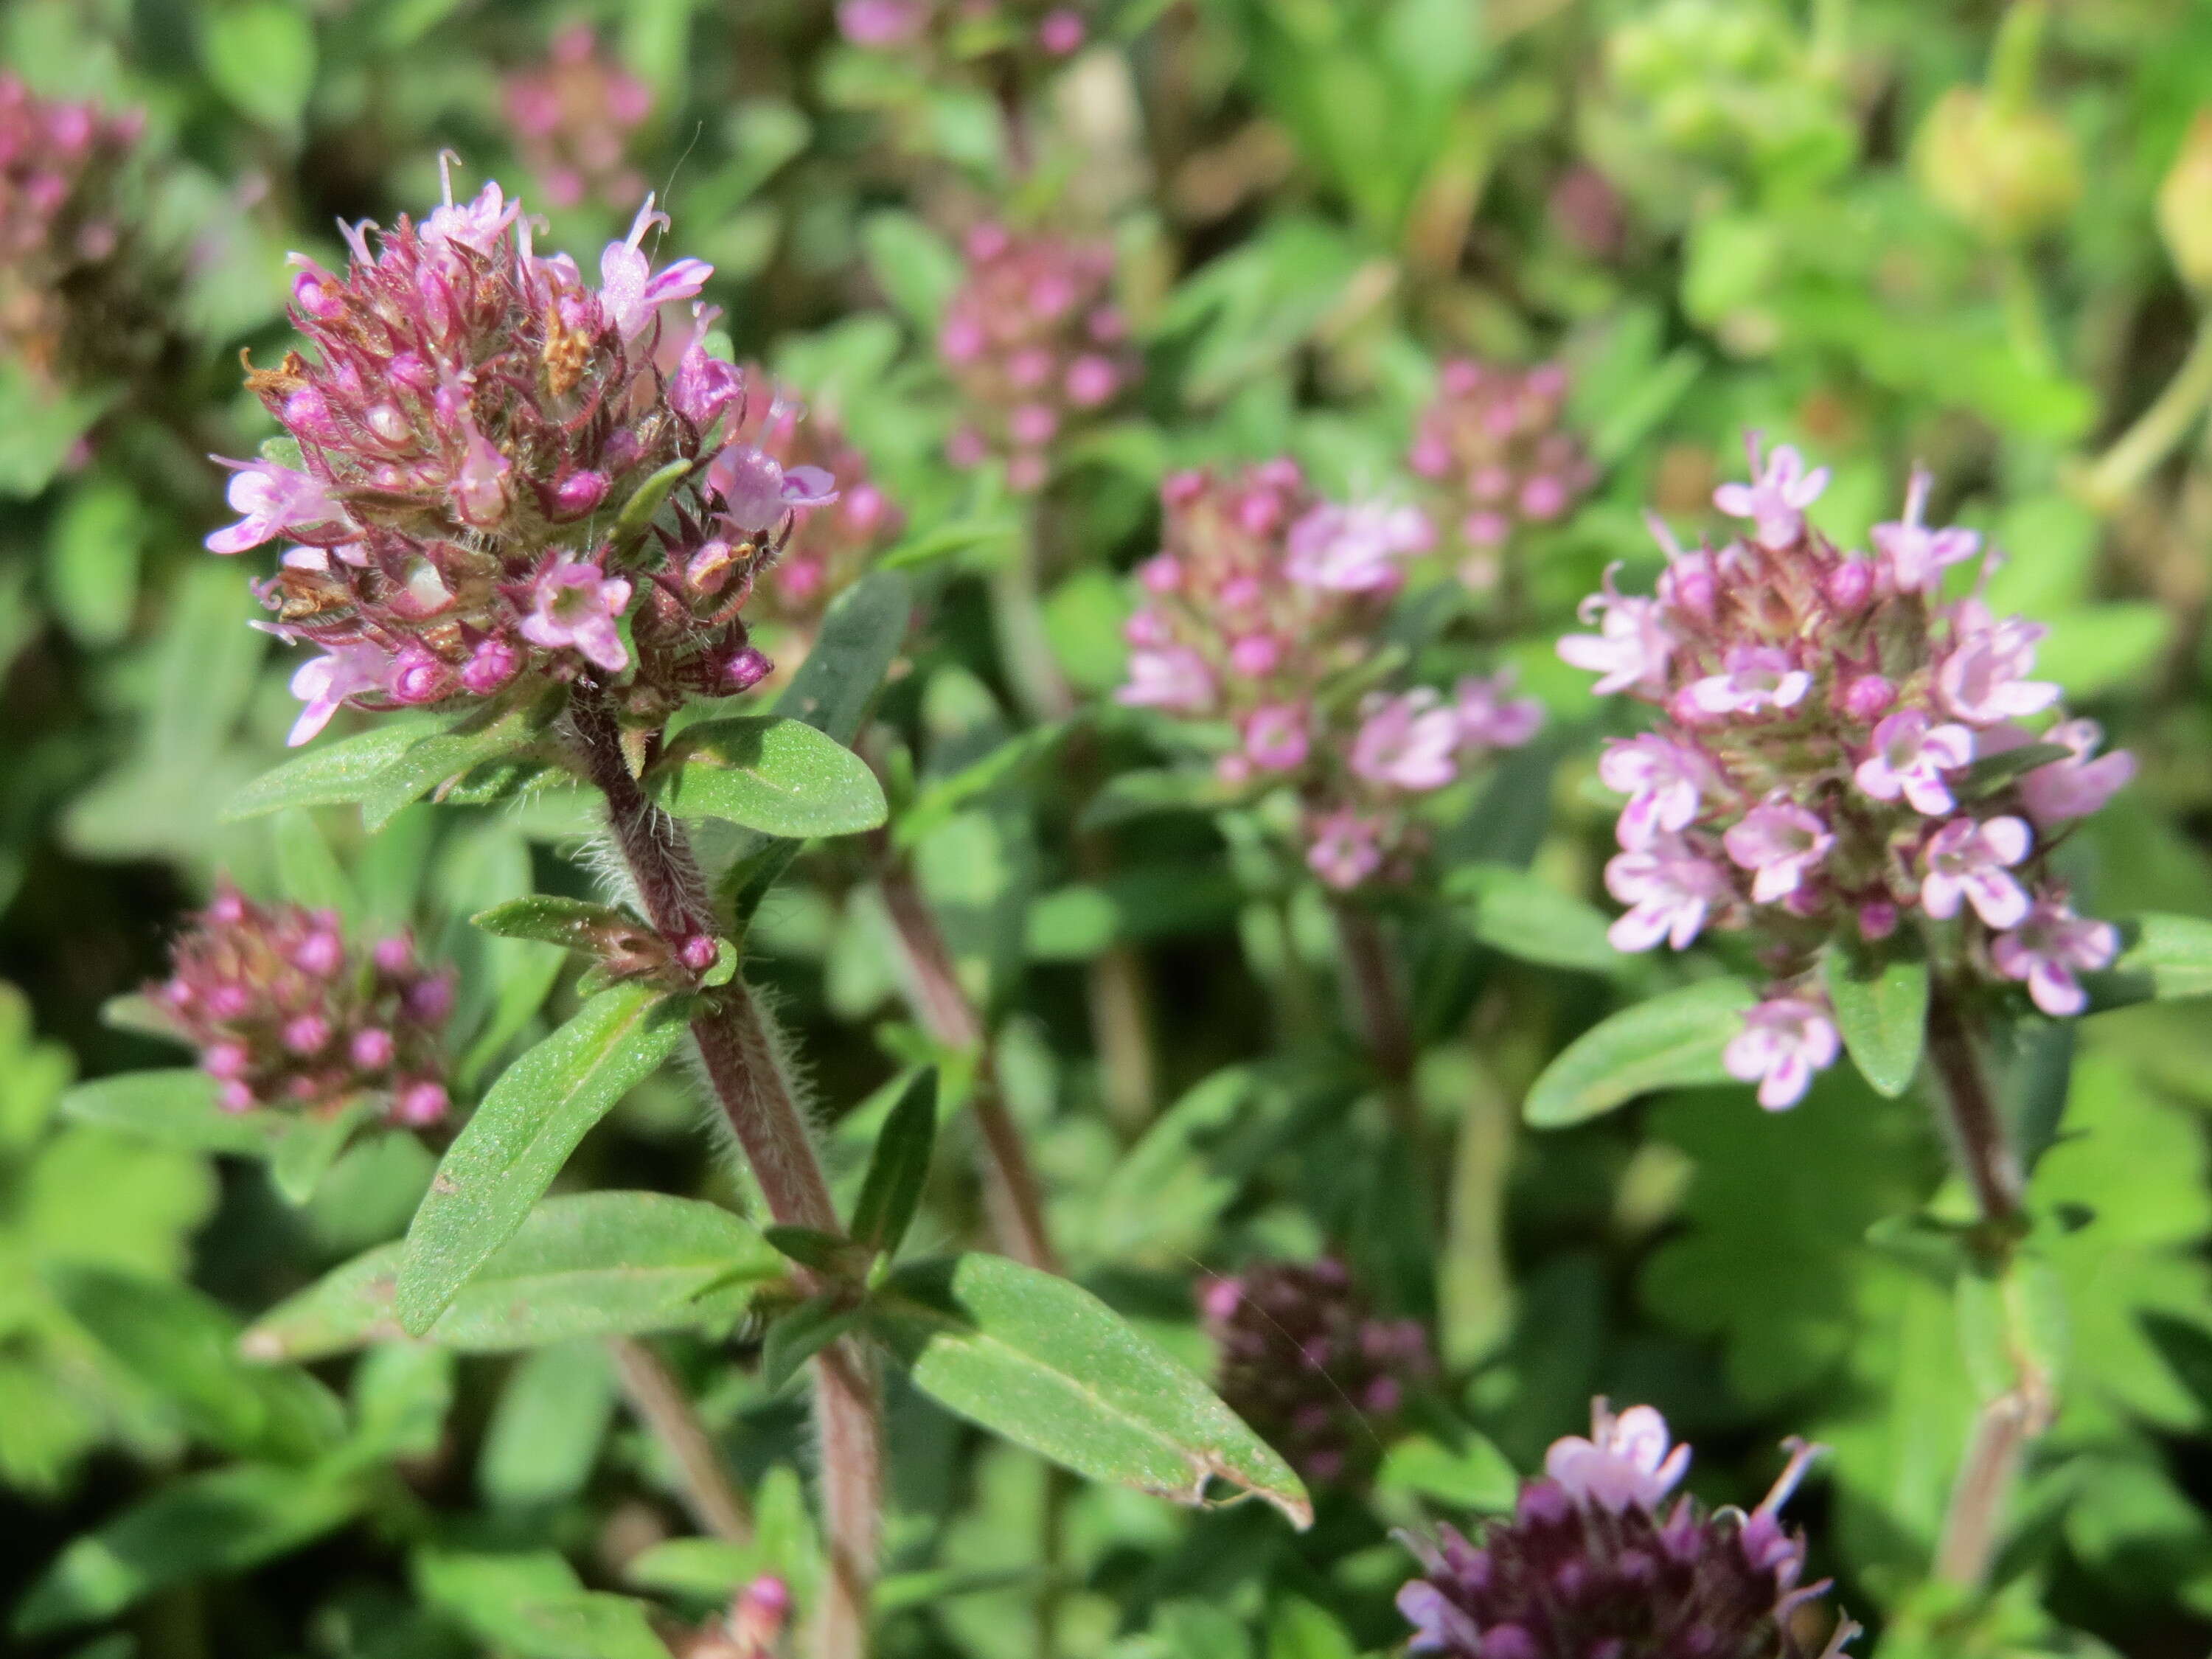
471,424
1594,1564
287,1013
1495,446
1306,1362
1264,603
1813,774
1036,346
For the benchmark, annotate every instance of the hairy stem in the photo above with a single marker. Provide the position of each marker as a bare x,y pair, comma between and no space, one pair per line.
1976,1127
1010,1183
739,1052
666,1410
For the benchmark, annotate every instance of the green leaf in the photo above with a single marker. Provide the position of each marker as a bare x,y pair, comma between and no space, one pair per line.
306,867
175,1108
221,1521
443,758
800,1333
545,1433
591,1264
1047,1365
1527,918
915,267
1131,795
572,924
93,560
1881,1000
810,1247
532,1606
2162,958
332,774
891,1191
776,775
304,1154
947,539
1476,1475
1991,773
1672,1041
517,1140
937,802
646,502
183,1346
261,56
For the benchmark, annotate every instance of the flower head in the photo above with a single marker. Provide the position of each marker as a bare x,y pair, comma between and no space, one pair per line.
1307,1362
1911,759
1498,456
286,1013
1588,1564
1356,549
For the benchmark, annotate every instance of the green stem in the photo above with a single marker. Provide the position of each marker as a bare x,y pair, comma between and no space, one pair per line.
2015,57
666,1410
2158,430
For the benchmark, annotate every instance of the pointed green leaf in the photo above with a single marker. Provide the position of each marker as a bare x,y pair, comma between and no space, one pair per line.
444,757
779,776
1881,1000
1991,773
590,1264
532,1606
826,1253
221,1521
518,1138
1049,1366
800,1333
174,1108
646,502
572,924
331,774
932,808
304,1154
1529,919
900,1165
1672,1041
2162,958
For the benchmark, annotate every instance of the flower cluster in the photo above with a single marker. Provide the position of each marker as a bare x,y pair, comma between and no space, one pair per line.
285,1012
1587,1566
66,293
1495,444
474,420
1308,1364
572,117
1830,762
1261,610
963,28
1035,344
831,548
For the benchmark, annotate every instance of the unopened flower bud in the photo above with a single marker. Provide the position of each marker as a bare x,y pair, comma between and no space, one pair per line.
1869,697
372,1049
2007,173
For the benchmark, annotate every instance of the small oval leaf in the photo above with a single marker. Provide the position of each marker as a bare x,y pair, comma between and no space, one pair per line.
777,775
2162,958
1881,1010
1672,1041
1049,1365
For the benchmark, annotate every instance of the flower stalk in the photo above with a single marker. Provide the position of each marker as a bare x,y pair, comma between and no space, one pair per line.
663,1407
738,1051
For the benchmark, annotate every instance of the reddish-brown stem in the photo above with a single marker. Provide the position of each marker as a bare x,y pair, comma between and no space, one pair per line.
1010,1184
738,1051
1975,1126
1378,997
666,1410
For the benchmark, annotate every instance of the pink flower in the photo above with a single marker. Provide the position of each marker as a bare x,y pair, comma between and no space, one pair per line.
1630,649
2074,788
703,387
1670,888
881,22
1909,759
574,606
757,491
1355,549
1972,862
2047,948
1782,843
1275,736
1983,680
1626,1460
1913,556
271,501
480,486
329,680
1174,678
476,225
1756,678
630,293
1345,849
1407,742
1776,500
1665,783
1488,719
1784,1040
